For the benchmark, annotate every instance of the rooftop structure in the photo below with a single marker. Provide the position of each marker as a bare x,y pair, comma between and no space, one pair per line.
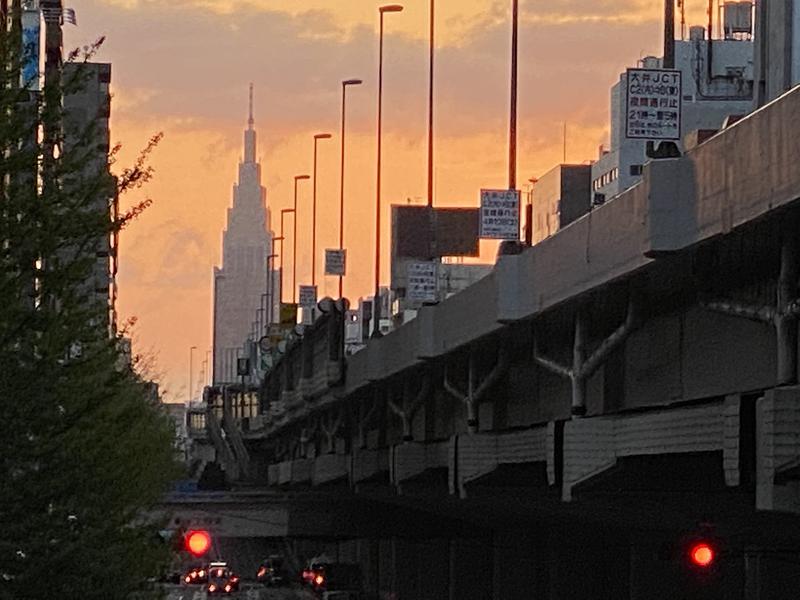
717,83
559,197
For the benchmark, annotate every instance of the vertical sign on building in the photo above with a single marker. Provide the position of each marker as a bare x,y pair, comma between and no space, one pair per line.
500,214
653,106
421,286
335,262
31,48
352,327
308,296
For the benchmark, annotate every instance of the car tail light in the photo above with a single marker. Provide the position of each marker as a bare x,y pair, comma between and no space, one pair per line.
228,588
212,588
201,573
261,572
319,580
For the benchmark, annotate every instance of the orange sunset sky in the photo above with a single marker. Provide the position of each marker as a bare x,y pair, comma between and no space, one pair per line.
183,67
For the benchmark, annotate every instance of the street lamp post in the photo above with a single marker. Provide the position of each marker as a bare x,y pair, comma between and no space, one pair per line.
271,288
317,138
191,370
345,83
284,211
376,308
430,107
512,125
294,241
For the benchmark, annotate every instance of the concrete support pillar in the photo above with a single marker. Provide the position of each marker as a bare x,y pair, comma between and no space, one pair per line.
785,320
517,561
470,570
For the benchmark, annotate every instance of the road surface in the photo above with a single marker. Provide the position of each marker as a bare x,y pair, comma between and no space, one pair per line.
249,591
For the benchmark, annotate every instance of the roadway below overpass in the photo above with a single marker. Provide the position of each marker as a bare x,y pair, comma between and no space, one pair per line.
511,538
248,592
570,425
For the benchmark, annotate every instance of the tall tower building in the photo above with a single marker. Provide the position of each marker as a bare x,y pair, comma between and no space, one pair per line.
242,279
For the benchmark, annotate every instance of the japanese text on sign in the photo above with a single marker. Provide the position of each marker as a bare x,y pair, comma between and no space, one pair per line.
335,261
308,296
500,214
421,285
653,105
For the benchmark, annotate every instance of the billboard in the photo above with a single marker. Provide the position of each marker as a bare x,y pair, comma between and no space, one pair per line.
335,262
499,214
308,296
31,48
422,280
422,232
653,105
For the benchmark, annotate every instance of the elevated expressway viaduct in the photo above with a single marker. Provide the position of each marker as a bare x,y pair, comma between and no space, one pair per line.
564,427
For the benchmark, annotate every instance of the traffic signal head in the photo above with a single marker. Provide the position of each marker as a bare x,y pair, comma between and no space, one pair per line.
701,554
198,542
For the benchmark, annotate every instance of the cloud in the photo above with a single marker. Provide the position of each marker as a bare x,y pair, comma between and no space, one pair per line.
198,63
184,66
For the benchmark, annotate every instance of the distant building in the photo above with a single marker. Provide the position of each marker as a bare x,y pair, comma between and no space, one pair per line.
710,95
241,281
177,412
434,241
777,60
559,197
88,110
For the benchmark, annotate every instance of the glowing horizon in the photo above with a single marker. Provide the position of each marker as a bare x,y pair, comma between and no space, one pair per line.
185,68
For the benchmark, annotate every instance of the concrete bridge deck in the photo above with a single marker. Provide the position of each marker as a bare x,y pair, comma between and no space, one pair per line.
628,380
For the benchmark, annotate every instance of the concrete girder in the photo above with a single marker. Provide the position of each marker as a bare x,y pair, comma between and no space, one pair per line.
407,412
583,366
330,426
783,314
475,394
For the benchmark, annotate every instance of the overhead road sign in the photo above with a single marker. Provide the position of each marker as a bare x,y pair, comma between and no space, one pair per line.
421,286
654,104
499,214
308,296
335,262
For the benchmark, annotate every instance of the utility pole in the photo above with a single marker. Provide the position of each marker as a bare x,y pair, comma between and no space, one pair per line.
669,34
512,125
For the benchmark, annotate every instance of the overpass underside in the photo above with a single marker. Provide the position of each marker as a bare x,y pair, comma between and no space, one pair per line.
577,415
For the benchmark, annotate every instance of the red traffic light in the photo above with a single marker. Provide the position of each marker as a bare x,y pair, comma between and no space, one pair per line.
198,542
701,554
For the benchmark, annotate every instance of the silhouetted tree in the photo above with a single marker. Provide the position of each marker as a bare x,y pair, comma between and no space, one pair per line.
84,449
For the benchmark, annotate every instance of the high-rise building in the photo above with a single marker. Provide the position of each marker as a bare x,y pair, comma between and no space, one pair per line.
241,281
717,83
87,110
559,197
777,61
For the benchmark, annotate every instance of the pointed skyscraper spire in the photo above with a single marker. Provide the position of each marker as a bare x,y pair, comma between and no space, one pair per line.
250,134
250,120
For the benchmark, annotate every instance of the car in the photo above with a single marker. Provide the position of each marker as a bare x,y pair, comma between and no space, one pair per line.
221,580
196,575
332,578
273,572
